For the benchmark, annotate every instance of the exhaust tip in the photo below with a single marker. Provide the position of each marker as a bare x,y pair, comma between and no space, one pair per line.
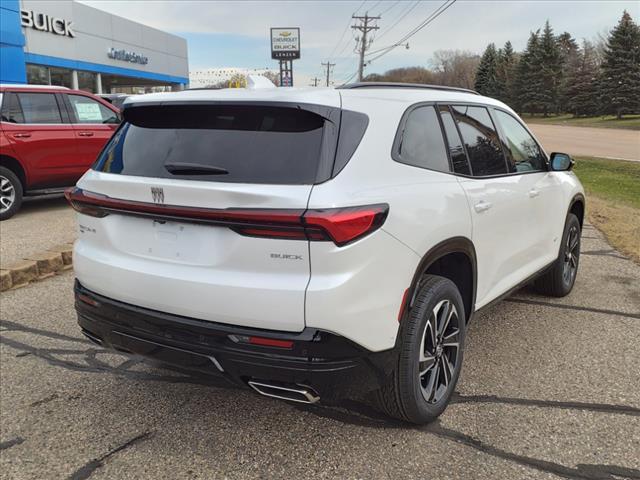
293,393
93,338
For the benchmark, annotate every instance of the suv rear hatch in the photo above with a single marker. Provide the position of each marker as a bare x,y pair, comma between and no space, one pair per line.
194,209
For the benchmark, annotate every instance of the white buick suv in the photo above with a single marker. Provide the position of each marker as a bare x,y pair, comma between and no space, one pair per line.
319,243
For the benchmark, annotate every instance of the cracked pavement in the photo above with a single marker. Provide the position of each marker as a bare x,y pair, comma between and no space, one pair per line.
549,389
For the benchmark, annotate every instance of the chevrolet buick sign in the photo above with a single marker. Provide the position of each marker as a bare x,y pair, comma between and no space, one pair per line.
46,23
126,56
285,43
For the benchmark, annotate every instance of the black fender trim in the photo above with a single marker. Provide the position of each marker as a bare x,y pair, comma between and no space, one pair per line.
578,197
451,245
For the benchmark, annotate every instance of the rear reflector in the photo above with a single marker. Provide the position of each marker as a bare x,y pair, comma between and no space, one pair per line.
340,225
271,342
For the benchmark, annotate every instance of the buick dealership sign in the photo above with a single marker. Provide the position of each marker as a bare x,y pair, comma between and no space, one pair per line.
46,23
285,43
127,56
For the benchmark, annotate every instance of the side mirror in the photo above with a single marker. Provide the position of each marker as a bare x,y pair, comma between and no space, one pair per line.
561,162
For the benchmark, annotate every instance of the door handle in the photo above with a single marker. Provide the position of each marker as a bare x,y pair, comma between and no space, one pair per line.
482,206
533,193
21,135
85,134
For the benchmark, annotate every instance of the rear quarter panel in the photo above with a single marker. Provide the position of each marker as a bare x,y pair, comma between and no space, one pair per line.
425,208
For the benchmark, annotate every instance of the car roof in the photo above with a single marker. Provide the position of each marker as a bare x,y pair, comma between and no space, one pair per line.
334,97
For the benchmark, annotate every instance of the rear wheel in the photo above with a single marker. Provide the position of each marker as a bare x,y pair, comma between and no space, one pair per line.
559,280
430,357
10,193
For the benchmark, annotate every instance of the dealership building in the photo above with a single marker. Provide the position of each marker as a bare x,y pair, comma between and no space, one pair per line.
71,44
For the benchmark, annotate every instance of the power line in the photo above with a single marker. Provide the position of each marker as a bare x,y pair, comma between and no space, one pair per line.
390,8
435,14
399,19
314,81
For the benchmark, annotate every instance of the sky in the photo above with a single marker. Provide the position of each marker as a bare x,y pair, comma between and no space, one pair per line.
236,33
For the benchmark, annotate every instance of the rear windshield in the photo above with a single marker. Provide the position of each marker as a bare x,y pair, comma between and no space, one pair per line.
241,144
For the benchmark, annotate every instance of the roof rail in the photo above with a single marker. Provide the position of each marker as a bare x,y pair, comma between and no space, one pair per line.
25,85
405,85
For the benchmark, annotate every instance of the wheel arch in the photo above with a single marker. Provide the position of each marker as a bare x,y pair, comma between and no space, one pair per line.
455,259
577,207
16,167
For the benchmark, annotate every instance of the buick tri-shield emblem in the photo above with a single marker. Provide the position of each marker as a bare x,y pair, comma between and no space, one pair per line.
157,193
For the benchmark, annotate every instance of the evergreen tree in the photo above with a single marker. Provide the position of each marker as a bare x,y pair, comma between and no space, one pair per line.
620,78
487,73
570,60
549,70
582,82
506,73
527,81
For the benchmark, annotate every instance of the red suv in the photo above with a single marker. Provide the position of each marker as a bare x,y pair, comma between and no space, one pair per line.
49,136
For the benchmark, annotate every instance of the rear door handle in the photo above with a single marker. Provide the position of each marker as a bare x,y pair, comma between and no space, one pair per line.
21,135
482,206
534,192
85,134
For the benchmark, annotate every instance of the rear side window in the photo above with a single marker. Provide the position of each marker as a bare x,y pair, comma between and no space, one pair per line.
11,111
523,152
39,107
241,144
456,149
480,139
421,143
87,110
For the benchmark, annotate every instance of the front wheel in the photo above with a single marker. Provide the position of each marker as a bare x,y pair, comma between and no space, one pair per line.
559,280
10,193
430,354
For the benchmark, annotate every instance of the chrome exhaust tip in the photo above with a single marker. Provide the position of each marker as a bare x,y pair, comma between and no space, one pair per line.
293,393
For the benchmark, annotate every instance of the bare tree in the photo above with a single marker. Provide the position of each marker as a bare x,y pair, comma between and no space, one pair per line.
456,68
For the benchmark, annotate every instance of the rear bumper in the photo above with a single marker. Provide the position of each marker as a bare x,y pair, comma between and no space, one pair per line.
332,365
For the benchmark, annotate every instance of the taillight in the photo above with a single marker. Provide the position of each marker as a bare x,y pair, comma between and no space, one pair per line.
339,225
344,225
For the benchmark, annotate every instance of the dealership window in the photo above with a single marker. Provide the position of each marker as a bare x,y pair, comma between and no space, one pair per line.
60,77
87,81
37,75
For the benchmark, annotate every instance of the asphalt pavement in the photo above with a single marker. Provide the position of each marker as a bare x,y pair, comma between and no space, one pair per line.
593,142
549,389
41,223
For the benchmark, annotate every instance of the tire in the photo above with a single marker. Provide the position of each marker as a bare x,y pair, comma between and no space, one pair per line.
420,398
558,281
10,193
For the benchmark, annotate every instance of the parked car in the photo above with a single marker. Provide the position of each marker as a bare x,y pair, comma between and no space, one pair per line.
115,99
49,136
317,244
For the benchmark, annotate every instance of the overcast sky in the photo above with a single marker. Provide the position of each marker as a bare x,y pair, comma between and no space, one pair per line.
236,33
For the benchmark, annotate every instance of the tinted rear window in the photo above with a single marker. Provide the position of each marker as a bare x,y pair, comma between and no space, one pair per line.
481,140
254,144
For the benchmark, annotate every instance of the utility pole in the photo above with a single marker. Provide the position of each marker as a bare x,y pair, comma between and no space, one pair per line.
328,65
365,27
315,81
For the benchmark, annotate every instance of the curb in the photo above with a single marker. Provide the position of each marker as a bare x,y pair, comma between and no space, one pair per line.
36,267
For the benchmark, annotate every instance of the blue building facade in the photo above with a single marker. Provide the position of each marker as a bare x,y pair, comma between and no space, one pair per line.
12,61
71,44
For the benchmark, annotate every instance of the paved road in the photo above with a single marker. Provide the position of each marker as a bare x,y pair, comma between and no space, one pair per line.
40,224
594,142
549,390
